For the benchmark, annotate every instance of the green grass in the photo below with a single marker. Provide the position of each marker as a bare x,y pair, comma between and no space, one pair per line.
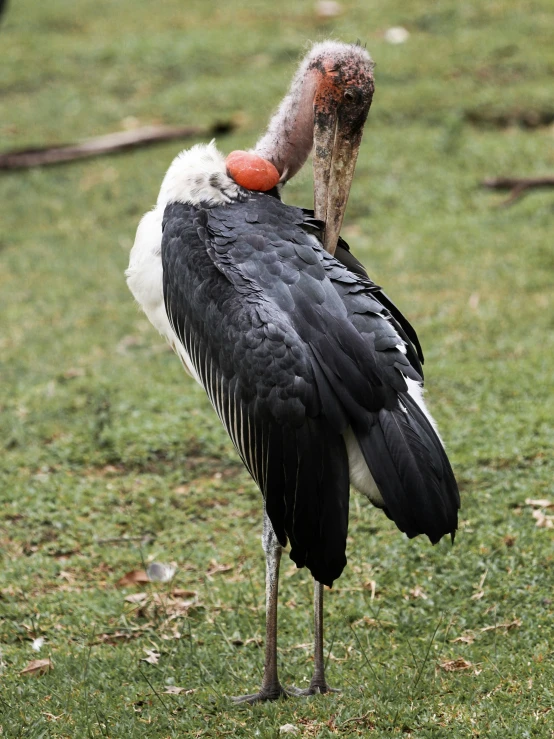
111,457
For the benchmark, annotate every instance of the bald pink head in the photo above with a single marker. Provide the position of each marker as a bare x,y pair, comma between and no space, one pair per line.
331,76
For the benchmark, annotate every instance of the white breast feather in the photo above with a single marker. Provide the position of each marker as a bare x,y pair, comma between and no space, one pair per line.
197,175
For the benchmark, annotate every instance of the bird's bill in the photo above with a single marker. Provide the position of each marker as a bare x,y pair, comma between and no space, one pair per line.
335,153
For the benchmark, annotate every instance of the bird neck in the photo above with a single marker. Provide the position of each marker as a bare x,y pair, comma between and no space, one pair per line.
288,140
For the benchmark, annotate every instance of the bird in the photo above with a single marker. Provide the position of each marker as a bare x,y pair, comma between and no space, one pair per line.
313,371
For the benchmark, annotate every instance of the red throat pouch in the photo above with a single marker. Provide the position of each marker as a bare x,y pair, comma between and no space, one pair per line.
252,171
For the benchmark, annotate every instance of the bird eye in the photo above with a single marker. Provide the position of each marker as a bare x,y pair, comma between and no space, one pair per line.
352,95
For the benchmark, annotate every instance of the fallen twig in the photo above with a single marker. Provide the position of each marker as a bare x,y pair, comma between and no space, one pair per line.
100,145
509,625
356,719
517,185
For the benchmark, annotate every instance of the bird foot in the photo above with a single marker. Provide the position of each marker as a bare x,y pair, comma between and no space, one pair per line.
265,694
314,689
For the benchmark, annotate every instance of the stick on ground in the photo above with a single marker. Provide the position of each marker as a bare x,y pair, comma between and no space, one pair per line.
100,145
517,185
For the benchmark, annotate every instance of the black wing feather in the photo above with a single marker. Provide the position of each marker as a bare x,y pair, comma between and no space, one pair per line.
343,254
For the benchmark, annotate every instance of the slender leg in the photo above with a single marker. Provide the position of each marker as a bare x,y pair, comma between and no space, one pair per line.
271,687
318,683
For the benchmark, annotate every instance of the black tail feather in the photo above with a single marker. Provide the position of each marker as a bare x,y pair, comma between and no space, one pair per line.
410,467
307,496
318,525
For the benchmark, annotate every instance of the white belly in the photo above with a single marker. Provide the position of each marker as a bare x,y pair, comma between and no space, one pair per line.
360,476
145,281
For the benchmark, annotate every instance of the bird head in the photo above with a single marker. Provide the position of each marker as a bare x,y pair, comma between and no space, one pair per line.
343,95
324,110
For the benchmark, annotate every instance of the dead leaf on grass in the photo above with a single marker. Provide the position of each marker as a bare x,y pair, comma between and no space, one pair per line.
374,622
312,727
238,641
455,665
152,657
179,593
215,568
539,503
371,585
465,638
173,606
51,716
479,588
416,592
136,597
156,605
174,690
178,608
38,667
507,626
134,577
118,636
543,521
66,575
306,647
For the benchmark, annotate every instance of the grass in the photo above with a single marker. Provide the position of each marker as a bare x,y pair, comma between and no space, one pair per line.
113,458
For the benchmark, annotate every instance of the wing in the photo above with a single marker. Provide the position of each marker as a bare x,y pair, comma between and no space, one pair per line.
255,371
404,328
293,349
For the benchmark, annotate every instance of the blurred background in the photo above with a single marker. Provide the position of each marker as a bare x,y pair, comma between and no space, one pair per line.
112,456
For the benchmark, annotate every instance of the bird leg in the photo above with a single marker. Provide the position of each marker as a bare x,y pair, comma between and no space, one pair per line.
271,687
318,683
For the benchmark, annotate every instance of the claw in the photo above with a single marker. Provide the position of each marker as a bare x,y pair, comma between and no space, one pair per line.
272,694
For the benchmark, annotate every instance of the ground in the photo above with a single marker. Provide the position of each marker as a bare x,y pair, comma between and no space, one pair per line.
112,458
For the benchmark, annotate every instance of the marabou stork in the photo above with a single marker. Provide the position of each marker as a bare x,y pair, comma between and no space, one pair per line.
313,371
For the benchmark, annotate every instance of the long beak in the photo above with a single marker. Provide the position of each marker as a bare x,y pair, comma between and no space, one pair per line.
336,149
